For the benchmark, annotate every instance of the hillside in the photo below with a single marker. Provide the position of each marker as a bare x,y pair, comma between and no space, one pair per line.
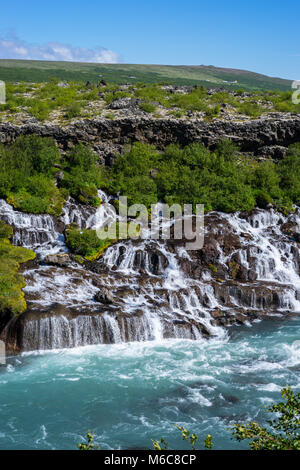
208,76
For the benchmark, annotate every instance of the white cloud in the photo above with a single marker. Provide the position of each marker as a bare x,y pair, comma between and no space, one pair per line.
15,48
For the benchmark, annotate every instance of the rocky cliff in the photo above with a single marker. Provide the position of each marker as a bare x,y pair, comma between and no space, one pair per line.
267,136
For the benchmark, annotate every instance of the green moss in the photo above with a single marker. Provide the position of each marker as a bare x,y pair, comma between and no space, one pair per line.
213,268
110,116
79,259
234,269
85,242
11,282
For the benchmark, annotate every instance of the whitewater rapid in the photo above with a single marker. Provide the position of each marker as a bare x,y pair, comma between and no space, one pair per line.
130,393
153,295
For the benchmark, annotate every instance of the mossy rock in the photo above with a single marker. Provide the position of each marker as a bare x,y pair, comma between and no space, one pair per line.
11,282
85,242
213,268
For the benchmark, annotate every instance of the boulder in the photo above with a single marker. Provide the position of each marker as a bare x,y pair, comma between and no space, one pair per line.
291,229
123,103
104,296
58,259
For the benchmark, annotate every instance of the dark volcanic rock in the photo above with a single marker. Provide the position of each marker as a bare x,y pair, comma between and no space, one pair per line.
59,259
252,136
291,229
104,296
123,103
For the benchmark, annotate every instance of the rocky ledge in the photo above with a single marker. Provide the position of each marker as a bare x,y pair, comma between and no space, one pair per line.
268,136
247,270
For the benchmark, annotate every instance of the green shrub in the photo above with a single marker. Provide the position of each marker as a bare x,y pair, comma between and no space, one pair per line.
147,107
39,195
27,175
85,242
250,109
212,112
222,179
11,282
34,154
82,175
289,170
73,110
283,430
262,198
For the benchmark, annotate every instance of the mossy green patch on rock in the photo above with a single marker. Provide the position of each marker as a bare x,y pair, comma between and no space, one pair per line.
11,282
213,268
86,243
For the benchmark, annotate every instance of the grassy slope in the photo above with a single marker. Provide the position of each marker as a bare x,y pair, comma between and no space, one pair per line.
209,76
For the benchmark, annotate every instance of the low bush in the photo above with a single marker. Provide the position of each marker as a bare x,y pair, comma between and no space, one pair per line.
11,282
27,175
147,106
73,110
85,242
222,179
28,170
82,175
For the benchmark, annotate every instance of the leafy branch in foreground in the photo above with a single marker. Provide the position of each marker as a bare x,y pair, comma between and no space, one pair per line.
90,445
186,435
284,434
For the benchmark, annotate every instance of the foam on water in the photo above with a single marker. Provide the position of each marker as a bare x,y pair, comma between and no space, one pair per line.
131,393
164,301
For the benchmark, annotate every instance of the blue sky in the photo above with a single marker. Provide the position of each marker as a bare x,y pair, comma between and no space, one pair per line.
261,36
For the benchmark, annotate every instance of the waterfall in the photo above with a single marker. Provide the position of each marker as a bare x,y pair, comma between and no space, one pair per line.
157,289
87,216
37,232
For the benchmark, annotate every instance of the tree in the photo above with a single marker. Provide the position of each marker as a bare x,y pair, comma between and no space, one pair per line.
284,429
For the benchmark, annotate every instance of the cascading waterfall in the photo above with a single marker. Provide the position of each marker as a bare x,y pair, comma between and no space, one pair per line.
274,259
151,295
37,232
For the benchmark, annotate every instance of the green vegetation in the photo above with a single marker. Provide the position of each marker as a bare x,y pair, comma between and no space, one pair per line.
64,101
27,175
283,432
29,168
85,242
11,282
208,76
147,107
82,175
191,439
222,180
40,100
35,178
90,445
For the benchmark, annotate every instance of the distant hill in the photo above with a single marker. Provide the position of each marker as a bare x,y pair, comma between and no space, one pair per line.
208,76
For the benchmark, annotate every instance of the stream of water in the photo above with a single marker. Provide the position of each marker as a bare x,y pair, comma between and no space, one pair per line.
128,394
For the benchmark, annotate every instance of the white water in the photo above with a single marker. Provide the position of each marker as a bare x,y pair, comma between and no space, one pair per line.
161,300
128,394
